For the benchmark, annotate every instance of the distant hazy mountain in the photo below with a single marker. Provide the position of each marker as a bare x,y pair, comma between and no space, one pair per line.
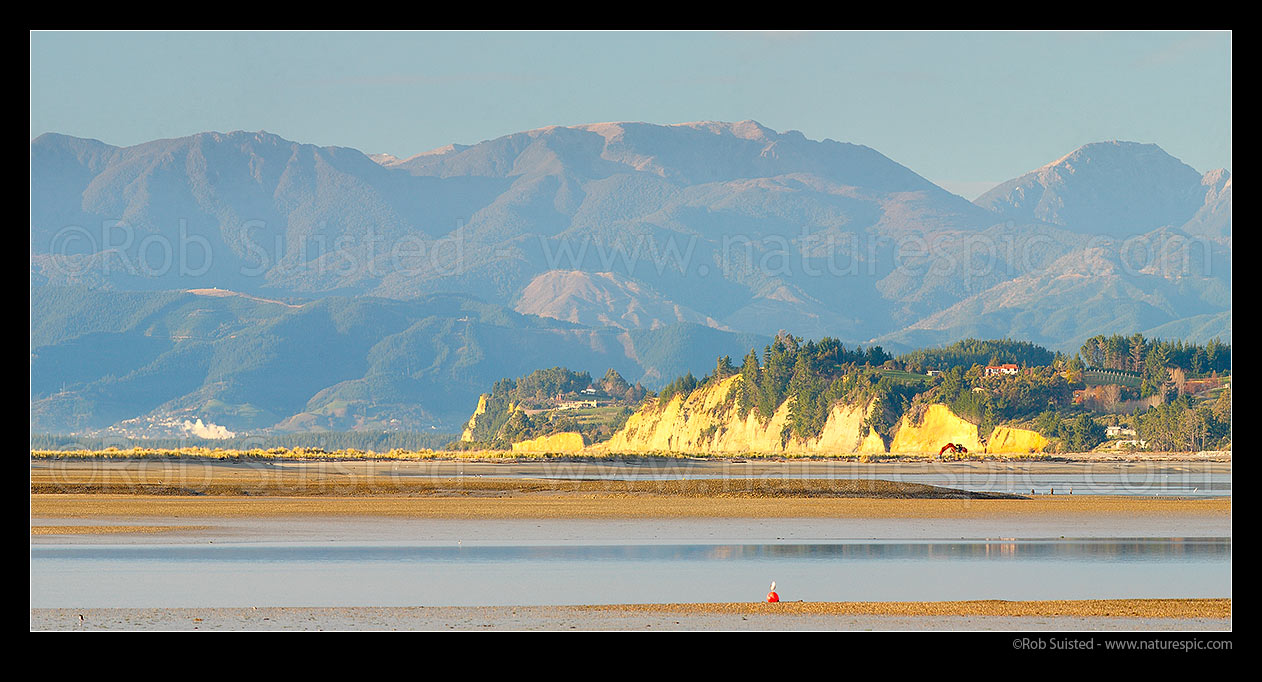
608,236
1213,218
1180,285
99,358
602,299
725,219
1104,188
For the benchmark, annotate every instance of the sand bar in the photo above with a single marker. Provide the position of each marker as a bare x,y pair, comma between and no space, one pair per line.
199,468
79,506
394,502
48,529
1111,615
156,489
451,501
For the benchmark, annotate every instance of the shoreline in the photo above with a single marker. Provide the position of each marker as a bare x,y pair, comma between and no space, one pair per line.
147,489
512,456
269,484
1097,615
567,503
613,507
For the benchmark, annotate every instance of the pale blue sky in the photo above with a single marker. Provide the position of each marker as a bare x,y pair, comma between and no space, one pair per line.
966,110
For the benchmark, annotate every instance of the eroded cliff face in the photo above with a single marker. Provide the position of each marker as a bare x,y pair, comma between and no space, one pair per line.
564,442
1007,440
938,427
707,422
941,426
467,436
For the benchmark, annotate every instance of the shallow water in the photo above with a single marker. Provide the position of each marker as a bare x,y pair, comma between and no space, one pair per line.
475,574
1142,478
1155,478
1041,484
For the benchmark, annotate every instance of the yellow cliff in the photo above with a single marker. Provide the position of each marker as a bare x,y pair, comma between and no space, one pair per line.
941,426
938,427
467,436
1007,440
567,441
707,422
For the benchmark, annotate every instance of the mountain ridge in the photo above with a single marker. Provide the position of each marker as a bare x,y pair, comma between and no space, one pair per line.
1137,187
618,231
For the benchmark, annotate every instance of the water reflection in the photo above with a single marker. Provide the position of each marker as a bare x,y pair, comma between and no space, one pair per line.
378,575
1091,549
1140,478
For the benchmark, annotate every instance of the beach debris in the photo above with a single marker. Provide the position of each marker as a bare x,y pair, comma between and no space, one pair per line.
772,597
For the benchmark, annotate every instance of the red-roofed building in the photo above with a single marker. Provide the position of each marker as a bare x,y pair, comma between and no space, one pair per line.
996,370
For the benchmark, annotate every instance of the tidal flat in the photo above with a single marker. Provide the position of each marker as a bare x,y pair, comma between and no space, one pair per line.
627,546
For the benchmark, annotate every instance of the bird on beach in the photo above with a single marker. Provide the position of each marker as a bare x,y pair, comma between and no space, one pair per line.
772,597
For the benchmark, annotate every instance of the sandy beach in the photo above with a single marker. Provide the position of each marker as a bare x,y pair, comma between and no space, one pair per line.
591,506
70,489
1118,615
203,502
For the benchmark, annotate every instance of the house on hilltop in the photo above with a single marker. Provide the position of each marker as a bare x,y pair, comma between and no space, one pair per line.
997,370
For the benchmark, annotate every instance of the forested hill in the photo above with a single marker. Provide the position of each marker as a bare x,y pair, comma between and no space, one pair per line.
971,352
987,382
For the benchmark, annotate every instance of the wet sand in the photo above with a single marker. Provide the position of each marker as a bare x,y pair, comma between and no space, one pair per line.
202,470
217,480
592,506
183,489
390,506
51,529
570,531
178,502
1087,615
458,501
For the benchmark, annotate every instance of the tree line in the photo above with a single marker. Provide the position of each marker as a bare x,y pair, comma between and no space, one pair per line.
1183,425
1135,353
815,374
964,354
505,420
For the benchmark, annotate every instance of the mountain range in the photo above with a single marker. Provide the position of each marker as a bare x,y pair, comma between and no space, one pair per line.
726,232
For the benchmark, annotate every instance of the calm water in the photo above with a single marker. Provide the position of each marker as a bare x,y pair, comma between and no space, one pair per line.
396,574
1145,479
1204,485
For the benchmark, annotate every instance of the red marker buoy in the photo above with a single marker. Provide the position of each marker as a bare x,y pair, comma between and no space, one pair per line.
772,597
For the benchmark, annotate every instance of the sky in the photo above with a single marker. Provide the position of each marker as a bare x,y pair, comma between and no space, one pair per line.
966,110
